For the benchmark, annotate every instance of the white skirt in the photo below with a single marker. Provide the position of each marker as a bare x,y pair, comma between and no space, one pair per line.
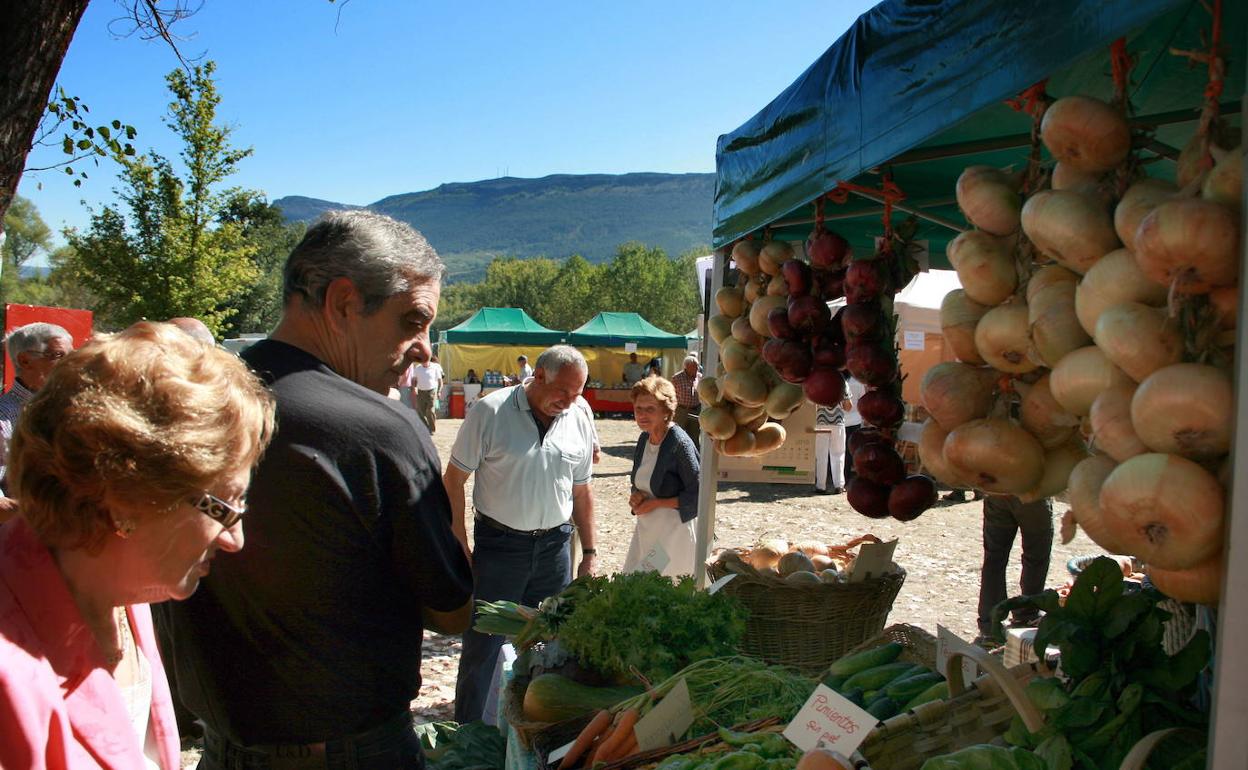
662,543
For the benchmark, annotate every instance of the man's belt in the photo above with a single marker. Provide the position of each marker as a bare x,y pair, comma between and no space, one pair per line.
495,524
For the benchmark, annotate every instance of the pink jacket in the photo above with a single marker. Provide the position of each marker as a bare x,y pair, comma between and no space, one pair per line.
59,707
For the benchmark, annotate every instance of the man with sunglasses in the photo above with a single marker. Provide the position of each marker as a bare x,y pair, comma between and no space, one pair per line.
34,349
304,651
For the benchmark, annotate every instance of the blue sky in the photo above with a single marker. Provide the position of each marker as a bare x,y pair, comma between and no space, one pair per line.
353,102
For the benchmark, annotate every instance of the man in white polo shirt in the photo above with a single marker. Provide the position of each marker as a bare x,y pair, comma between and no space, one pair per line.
533,459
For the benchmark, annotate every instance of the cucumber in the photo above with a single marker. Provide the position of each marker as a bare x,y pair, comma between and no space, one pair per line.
883,708
875,678
938,691
861,661
834,682
554,698
905,691
854,695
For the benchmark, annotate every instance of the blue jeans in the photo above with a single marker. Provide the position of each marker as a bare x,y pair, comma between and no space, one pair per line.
511,567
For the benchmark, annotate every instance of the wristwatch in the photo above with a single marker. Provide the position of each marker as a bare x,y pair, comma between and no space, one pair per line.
589,551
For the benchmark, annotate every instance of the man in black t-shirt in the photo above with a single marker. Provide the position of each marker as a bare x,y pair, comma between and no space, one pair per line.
307,643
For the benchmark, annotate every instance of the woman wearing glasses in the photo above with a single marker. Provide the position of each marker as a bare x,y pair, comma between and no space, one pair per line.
130,468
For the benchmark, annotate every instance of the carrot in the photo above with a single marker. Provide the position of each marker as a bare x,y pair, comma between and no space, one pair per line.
623,731
599,743
630,748
600,722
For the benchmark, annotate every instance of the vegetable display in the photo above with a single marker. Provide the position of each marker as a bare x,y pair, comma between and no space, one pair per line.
802,563
883,685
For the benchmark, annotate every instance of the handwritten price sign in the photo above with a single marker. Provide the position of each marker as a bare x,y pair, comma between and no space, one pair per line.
829,720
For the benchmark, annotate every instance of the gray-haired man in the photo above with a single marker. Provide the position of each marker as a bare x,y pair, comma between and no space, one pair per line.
532,453
307,644
34,349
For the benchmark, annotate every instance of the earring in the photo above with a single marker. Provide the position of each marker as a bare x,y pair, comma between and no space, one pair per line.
124,528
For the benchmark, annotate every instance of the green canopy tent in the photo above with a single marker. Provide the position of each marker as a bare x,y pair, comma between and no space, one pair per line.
491,339
917,89
604,337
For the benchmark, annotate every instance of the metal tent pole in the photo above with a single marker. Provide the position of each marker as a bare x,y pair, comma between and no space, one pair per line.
708,482
1228,740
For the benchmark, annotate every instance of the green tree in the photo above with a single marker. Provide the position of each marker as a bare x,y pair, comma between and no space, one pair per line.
572,297
259,307
174,254
26,235
646,281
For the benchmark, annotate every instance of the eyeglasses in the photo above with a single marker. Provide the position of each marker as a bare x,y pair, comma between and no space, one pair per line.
52,355
218,510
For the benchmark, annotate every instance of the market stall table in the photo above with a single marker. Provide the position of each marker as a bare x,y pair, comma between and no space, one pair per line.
609,400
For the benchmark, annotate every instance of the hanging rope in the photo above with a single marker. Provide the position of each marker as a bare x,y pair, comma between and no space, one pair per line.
819,214
1211,57
889,191
1122,64
1032,101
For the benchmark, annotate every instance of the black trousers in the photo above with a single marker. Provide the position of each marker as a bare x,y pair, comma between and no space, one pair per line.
1003,518
850,430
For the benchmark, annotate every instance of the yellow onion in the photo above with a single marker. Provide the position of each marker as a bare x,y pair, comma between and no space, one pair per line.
740,443
959,315
1185,409
989,198
777,286
719,327
1052,324
1164,509
731,301
1112,431
1191,243
1191,163
1084,493
773,255
717,422
954,392
745,254
1071,228
1225,302
759,310
744,333
1225,183
1058,464
769,437
1139,199
932,455
1049,275
1201,584
1115,279
1138,339
1041,415
995,455
1081,376
1067,177
1001,338
985,267
1085,133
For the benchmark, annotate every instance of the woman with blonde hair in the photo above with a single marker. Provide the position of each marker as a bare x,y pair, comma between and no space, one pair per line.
665,484
130,468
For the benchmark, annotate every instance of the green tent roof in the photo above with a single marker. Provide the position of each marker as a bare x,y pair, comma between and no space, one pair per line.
918,87
615,329
504,326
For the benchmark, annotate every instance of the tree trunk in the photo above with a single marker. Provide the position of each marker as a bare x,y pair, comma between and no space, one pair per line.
33,39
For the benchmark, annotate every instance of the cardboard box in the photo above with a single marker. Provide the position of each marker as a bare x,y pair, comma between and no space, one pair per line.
792,463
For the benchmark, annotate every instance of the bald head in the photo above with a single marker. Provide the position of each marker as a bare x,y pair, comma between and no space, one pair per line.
195,328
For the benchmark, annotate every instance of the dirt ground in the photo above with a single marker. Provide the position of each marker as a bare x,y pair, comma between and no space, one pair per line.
940,551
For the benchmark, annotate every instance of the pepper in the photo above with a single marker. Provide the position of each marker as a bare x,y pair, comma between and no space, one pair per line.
739,760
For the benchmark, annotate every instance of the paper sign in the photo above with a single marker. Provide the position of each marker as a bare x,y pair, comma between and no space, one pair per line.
914,341
655,560
553,757
723,581
874,559
910,431
630,347
829,720
947,643
667,721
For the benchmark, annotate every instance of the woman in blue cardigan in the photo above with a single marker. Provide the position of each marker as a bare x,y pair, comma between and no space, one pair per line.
665,484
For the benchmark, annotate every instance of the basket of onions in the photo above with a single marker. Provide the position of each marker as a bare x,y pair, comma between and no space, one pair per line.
804,612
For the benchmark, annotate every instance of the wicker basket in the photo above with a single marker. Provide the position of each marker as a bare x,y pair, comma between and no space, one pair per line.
808,627
533,735
970,716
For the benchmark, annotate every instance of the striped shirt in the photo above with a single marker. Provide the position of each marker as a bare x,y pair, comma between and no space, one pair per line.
11,404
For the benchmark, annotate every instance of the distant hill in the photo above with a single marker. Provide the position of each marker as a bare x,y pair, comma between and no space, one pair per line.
470,223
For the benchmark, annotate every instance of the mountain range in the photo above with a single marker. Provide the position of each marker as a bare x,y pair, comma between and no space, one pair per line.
471,223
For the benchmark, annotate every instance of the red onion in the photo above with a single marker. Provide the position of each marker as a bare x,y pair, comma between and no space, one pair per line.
881,408
911,498
796,274
867,497
880,463
827,249
862,321
808,313
870,364
779,326
825,387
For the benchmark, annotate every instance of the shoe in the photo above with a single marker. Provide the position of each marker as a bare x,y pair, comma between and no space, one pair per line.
1028,623
986,642
956,496
837,491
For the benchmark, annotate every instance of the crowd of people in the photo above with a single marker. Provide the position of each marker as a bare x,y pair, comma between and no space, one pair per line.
129,464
